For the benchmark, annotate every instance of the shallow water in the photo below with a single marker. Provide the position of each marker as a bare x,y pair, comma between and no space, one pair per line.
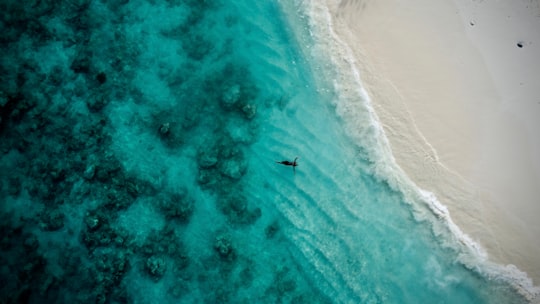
139,141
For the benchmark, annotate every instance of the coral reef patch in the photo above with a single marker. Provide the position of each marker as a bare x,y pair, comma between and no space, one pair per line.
124,127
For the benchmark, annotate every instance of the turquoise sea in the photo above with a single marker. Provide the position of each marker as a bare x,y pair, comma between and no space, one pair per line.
138,150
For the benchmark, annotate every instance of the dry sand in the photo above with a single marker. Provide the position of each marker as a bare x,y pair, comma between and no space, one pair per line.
460,103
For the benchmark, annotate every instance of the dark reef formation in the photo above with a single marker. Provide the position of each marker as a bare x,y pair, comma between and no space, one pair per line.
64,184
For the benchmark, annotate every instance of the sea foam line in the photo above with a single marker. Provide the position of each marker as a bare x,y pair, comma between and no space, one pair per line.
354,105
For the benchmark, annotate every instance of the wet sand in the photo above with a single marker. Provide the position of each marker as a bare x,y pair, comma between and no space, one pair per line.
455,86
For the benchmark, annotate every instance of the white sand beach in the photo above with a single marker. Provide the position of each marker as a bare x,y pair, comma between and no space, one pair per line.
456,85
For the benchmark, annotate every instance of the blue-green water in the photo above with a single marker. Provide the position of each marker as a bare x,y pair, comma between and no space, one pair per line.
139,142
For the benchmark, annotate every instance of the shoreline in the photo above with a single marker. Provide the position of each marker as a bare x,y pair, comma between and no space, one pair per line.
453,126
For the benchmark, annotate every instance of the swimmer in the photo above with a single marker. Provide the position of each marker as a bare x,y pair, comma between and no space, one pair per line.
288,163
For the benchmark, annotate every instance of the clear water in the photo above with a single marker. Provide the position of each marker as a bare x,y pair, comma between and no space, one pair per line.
139,148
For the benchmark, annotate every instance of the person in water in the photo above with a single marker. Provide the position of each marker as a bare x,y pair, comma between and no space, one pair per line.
288,163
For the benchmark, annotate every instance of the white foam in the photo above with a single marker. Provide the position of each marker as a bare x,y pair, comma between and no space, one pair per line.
353,104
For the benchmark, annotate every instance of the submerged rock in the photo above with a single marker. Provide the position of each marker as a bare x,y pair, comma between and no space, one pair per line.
224,248
99,232
81,64
155,266
235,206
164,129
101,77
233,168
271,230
96,102
177,206
92,221
89,172
118,199
207,159
231,96
170,132
52,220
31,243
249,111
205,177
196,46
